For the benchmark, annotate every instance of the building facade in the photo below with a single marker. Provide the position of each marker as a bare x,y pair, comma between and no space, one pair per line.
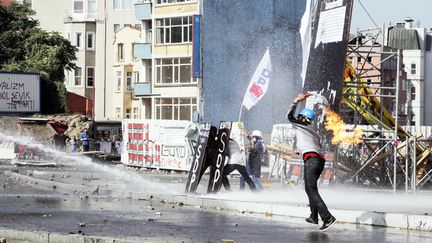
76,21
153,79
112,15
416,45
126,71
166,88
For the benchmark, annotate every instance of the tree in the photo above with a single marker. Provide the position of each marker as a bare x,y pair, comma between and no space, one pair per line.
25,47
16,25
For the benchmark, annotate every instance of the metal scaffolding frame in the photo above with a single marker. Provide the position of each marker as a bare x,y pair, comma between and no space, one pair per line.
366,44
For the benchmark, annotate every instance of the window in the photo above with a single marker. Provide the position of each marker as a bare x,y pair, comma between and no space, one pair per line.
123,4
91,8
128,111
78,6
412,120
174,30
90,76
120,52
413,68
135,113
413,93
175,108
116,27
404,85
149,76
359,59
68,36
129,81
78,76
429,41
90,40
369,81
118,110
172,1
137,77
134,57
119,80
369,59
67,78
78,40
173,71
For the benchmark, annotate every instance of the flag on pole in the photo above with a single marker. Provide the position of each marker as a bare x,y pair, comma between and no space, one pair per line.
305,33
259,83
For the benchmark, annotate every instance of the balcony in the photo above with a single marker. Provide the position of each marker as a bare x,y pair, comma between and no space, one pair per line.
142,89
142,50
143,9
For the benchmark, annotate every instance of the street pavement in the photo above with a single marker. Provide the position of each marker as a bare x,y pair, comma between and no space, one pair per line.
26,205
144,220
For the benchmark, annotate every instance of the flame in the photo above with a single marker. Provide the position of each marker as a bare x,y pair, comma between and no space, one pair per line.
334,123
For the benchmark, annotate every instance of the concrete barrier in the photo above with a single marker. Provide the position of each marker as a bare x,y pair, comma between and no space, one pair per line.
12,235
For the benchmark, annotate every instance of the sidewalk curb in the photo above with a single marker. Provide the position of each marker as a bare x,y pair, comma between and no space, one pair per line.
284,212
43,236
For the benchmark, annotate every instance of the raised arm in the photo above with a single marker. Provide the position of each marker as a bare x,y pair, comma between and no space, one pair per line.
291,113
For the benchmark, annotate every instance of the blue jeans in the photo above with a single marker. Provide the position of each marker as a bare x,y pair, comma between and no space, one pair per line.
256,180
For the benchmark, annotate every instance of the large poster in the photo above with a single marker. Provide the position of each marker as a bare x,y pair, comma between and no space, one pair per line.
325,67
156,144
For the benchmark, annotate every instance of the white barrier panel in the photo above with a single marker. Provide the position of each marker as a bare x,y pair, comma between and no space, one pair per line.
158,144
7,149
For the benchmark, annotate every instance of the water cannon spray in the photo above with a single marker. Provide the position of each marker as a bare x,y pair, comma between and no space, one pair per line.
320,99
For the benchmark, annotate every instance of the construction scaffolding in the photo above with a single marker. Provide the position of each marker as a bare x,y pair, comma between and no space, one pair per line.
371,99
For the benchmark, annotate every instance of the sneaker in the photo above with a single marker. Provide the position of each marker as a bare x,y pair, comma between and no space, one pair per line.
312,221
328,224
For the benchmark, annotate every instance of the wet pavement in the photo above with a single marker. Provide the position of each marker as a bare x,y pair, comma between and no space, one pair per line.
151,220
26,206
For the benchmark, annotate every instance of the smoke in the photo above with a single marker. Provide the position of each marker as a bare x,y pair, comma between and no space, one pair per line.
334,123
134,181
338,197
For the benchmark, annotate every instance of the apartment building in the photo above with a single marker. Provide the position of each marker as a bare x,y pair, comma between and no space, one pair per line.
76,21
158,60
416,45
112,16
164,84
126,71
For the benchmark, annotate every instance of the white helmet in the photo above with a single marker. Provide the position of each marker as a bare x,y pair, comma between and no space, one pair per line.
257,133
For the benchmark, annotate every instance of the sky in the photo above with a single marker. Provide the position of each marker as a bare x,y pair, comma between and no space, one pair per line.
391,11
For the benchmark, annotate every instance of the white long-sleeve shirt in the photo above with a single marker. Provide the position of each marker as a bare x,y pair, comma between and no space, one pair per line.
306,138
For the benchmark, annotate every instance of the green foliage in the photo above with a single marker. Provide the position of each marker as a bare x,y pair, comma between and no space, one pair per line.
49,53
16,26
26,48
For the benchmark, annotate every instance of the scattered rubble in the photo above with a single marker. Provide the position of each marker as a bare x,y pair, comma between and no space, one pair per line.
44,134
